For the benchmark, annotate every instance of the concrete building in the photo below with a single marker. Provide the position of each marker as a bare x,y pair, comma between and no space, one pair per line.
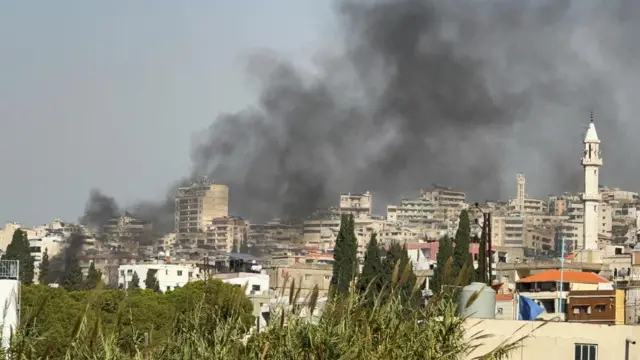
169,276
508,230
358,205
557,340
127,227
6,234
551,288
255,284
196,206
223,233
596,306
52,244
591,161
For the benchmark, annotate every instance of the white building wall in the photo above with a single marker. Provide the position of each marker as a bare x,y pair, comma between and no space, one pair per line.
257,284
169,276
9,298
591,161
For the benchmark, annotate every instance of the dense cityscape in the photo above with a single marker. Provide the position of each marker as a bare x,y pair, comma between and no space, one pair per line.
394,179
585,241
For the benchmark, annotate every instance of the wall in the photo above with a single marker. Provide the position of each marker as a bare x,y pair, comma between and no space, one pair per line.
9,295
257,284
556,340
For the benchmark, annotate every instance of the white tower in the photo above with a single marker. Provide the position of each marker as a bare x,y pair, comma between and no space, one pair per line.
591,161
520,195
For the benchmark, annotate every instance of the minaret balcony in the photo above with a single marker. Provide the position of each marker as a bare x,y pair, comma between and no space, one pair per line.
591,162
591,197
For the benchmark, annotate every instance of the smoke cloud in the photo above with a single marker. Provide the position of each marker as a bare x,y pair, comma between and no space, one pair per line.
460,93
59,264
99,209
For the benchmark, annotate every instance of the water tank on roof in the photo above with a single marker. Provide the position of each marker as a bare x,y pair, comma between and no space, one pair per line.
484,305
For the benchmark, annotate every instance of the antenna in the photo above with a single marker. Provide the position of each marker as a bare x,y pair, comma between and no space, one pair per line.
591,116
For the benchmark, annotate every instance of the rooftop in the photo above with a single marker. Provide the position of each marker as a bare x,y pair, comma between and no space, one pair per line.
568,276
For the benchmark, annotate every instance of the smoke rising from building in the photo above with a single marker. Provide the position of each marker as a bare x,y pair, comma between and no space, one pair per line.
59,264
460,93
99,209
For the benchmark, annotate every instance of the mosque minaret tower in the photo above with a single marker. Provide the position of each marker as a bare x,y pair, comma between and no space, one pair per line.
591,161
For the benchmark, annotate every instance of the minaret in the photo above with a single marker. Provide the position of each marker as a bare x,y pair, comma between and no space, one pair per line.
520,195
591,161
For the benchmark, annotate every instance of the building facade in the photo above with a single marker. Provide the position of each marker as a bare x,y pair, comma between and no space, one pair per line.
196,206
591,161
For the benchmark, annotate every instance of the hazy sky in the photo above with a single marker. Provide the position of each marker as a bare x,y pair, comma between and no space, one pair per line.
108,94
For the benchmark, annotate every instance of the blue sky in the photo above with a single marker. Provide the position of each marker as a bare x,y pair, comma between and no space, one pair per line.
109,94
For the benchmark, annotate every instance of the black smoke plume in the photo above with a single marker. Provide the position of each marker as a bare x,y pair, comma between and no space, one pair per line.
98,210
59,264
461,93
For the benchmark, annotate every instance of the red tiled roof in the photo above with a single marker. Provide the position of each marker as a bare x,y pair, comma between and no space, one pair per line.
568,276
504,297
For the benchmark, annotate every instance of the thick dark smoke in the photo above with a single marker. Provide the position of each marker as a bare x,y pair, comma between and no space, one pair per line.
461,93
99,209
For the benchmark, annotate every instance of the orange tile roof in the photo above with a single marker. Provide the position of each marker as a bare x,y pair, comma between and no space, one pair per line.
570,257
568,276
504,297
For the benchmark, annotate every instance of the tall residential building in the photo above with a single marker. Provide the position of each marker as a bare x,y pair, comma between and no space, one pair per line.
359,205
591,161
223,233
196,206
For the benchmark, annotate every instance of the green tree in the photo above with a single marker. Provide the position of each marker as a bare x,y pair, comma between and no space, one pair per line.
93,277
461,256
371,269
345,261
44,276
73,279
234,248
440,276
151,281
20,250
244,247
135,282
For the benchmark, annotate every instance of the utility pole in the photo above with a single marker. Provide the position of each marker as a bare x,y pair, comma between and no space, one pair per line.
489,250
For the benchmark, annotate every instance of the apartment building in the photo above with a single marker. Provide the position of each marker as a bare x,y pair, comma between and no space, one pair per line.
358,205
127,227
508,230
196,206
322,233
450,202
52,244
418,211
225,232
559,205
540,238
618,195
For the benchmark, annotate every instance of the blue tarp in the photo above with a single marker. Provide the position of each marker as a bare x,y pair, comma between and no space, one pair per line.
528,309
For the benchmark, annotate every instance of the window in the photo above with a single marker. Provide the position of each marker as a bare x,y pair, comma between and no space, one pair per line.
255,287
601,308
586,352
307,276
129,272
179,272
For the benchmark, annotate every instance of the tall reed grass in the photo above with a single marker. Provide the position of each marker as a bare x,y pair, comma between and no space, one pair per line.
354,327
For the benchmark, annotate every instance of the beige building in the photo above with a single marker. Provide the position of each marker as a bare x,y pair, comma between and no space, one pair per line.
508,230
196,206
358,205
540,238
127,227
322,234
559,340
307,271
223,233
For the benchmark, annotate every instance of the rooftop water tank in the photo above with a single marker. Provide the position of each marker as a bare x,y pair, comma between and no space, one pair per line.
484,305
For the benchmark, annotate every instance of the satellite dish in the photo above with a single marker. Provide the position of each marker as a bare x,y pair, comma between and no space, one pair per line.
161,254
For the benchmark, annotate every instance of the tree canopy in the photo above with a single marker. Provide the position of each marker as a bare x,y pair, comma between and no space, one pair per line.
151,281
462,259
440,275
20,250
372,270
345,260
44,276
94,277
